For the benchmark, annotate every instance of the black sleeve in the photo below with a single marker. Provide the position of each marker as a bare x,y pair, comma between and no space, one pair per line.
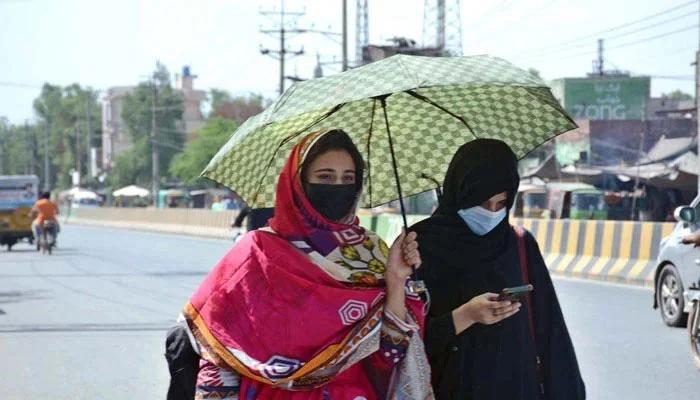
439,333
238,222
561,374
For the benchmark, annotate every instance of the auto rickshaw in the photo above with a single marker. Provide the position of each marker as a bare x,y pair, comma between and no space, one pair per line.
18,193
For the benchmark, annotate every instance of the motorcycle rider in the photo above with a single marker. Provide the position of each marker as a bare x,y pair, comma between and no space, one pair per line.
44,210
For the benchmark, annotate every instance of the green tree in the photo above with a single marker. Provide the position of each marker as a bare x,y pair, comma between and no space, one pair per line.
677,95
210,137
68,113
153,98
18,149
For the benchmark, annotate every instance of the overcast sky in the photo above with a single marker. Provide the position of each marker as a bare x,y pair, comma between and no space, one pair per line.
112,43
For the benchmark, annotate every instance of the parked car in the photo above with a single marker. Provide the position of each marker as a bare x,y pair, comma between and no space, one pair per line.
677,277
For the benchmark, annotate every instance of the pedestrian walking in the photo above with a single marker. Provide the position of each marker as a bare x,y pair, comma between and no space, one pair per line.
314,306
480,346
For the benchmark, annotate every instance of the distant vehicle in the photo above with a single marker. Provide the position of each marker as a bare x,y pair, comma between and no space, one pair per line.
677,277
561,201
18,193
531,202
47,238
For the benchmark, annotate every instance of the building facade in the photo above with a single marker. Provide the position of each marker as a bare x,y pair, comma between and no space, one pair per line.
116,139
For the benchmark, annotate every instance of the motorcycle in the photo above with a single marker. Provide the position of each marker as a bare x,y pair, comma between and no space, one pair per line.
47,238
693,295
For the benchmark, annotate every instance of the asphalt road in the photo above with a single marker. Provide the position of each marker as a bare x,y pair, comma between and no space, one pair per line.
88,322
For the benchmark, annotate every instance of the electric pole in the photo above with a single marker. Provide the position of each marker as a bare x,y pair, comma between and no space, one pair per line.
282,53
697,101
78,154
47,172
31,148
154,146
2,149
345,35
91,173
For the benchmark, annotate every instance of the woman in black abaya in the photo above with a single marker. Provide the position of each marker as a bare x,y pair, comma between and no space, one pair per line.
480,347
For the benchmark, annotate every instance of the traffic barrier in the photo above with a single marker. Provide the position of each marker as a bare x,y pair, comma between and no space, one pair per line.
617,251
184,221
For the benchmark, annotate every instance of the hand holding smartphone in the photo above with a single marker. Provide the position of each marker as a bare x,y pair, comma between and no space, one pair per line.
517,293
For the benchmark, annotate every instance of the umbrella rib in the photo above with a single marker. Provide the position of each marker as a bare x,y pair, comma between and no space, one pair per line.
287,139
393,161
369,147
438,106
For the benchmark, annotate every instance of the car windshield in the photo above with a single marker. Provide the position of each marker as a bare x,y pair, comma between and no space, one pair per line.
535,200
588,201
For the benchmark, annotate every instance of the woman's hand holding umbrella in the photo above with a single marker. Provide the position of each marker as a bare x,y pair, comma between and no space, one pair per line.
402,256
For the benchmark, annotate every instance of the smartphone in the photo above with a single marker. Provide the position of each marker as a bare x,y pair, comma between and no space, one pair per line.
517,293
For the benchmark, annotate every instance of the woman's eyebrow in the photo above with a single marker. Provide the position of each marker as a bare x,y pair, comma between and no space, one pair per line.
350,170
325,170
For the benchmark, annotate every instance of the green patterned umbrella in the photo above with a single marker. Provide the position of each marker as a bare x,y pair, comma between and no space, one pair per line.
406,114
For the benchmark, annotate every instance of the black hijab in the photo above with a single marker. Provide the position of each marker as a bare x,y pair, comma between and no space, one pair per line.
479,170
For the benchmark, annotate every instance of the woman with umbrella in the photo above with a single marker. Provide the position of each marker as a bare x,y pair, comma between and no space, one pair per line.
479,346
314,306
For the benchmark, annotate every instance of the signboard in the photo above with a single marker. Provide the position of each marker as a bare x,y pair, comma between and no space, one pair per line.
606,98
15,193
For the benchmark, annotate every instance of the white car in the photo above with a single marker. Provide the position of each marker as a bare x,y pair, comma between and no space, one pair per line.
677,277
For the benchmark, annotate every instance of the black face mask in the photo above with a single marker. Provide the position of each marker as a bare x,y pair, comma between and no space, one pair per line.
332,201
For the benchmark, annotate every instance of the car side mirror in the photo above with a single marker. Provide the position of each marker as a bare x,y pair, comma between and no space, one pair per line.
685,214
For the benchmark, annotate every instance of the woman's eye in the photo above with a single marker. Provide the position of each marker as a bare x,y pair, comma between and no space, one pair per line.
349,179
324,177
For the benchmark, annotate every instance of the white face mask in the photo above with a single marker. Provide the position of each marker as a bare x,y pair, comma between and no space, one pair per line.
480,220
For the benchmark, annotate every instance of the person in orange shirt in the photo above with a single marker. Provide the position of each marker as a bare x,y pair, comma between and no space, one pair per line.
44,210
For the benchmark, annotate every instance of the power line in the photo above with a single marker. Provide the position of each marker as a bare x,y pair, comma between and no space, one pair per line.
615,28
591,52
650,26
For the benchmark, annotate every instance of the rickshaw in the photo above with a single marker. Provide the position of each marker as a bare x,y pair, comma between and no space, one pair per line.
18,193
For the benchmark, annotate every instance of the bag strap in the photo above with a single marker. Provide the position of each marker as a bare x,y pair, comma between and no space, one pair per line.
522,252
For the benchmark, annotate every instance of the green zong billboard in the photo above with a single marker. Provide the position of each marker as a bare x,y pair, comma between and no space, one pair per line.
604,97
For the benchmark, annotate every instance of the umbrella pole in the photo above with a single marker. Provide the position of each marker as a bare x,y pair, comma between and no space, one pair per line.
414,286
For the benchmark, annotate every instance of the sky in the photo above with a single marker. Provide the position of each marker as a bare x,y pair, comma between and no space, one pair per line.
102,43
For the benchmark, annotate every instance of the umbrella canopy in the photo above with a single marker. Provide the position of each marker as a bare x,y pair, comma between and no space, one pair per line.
131,191
406,114
77,193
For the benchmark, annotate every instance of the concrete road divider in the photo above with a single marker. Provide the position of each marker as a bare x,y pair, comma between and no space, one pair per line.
184,221
618,251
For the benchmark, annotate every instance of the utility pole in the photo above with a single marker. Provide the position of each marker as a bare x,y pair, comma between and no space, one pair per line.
600,67
47,172
697,100
282,53
361,29
345,35
88,116
31,149
154,146
78,159
2,149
